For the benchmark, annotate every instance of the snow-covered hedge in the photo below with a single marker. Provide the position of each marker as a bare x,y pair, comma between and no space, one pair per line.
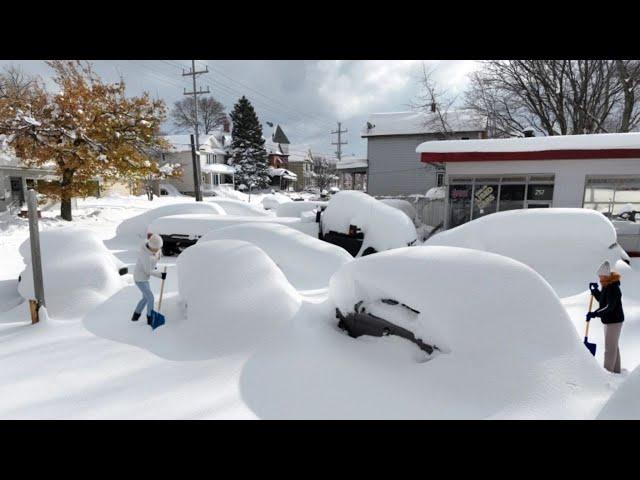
508,345
197,225
78,271
564,245
234,294
307,262
384,227
294,209
135,228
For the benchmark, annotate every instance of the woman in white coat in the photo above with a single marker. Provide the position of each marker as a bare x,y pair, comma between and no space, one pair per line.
145,267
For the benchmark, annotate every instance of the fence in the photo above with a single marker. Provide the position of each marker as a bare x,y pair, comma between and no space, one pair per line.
428,211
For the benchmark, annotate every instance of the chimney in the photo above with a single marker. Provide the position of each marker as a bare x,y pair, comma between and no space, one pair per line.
433,107
226,126
529,132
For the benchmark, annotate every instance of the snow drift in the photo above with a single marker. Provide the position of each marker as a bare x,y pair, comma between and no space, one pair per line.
78,271
564,245
295,209
307,262
234,294
135,228
272,201
384,227
624,404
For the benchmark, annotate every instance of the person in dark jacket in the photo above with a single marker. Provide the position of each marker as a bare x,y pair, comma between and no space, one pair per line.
610,313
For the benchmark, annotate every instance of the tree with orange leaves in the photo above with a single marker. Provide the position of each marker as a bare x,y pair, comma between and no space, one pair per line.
88,129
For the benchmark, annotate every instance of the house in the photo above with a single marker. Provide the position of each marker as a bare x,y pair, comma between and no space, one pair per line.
392,138
16,179
352,171
213,156
598,171
301,164
277,146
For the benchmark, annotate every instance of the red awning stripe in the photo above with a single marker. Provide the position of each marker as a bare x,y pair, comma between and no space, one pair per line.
604,154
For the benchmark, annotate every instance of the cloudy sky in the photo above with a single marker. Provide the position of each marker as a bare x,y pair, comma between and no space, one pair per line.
306,97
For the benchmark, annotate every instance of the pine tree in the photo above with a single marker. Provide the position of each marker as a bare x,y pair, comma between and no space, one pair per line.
247,147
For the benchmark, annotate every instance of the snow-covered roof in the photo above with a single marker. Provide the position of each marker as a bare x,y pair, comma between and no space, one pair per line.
535,144
352,162
218,168
210,143
282,172
412,123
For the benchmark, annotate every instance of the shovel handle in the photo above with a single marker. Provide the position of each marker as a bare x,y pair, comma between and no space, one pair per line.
162,291
586,330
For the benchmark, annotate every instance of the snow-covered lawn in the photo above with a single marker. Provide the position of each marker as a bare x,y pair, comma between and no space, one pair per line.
251,331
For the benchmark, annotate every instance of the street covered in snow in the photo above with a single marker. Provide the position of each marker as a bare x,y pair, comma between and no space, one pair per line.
251,328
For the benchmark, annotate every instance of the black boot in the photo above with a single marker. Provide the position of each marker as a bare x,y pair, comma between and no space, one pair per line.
135,317
149,320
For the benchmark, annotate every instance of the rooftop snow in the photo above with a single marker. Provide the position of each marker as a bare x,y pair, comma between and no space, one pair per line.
352,162
533,144
218,168
412,123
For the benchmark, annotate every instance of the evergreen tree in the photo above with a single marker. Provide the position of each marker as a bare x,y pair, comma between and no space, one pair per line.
247,147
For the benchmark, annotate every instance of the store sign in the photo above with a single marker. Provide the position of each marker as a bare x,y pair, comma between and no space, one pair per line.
459,192
484,196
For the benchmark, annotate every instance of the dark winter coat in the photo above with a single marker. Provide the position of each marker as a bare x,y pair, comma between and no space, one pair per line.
610,300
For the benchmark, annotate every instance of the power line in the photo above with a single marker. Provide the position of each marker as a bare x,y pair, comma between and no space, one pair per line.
339,143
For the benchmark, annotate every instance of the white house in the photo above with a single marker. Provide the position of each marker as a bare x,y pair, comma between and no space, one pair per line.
600,172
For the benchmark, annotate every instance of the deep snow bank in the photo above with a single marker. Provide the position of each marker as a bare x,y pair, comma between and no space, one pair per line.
78,271
564,245
384,227
135,228
624,404
307,262
234,294
272,201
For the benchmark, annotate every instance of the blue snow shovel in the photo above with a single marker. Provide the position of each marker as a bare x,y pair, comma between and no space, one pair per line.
157,319
590,346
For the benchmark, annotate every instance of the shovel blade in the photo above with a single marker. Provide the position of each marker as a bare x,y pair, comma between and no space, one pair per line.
590,346
157,320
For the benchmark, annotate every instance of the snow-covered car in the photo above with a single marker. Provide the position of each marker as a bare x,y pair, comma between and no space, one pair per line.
237,207
181,231
564,245
78,271
295,209
403,206
134,228
490,327
273,200
307,262
363,225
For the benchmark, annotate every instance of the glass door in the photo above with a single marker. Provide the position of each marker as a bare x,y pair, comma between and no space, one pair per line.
485,199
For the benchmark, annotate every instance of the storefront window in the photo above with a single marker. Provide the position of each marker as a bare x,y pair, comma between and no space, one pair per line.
511,197
459,204
485,200
611,195
540,192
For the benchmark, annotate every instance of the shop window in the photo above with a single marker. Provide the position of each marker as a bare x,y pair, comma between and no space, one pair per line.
459,204
485,199
540,192
511,197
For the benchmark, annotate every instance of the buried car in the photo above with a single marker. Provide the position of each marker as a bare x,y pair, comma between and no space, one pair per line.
363,225
78,271
181,231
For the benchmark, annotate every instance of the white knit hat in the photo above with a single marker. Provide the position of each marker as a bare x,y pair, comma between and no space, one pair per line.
605,269
155,241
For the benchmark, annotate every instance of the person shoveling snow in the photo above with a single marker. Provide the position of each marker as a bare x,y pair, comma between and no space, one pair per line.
145,267
610,312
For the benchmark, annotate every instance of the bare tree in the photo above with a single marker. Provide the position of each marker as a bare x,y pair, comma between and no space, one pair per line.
210,114
15,84
556,97
436,103
324,171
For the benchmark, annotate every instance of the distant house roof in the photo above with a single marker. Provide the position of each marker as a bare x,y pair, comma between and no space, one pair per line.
279,136
560,147
352,162
215,142
414,123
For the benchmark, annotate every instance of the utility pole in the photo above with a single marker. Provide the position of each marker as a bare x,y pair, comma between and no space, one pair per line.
339,143
36,262
196,165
